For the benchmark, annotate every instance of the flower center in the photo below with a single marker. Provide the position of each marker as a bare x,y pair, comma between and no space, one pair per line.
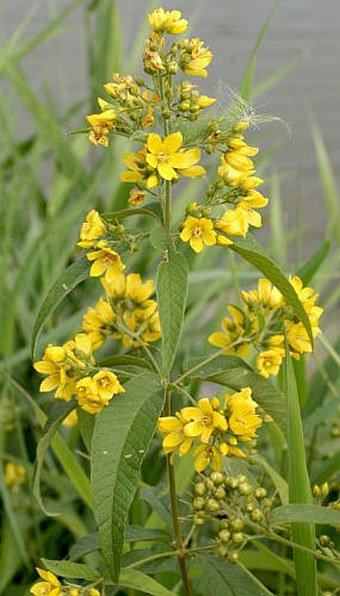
196,232
163,157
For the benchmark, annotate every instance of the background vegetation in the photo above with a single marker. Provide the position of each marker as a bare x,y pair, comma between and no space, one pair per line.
47,183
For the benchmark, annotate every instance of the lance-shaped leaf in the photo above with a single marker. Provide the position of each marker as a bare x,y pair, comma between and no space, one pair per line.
71,570
137,580
122,433
299,486
66,282
222,577
255,254
302,513
172,288
233,372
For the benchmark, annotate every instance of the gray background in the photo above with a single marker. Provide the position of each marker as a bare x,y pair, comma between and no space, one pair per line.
306,32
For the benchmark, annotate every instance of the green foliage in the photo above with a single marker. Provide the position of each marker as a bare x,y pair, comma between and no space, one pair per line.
122,434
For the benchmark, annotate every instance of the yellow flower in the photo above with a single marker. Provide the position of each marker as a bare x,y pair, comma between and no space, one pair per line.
234,222
149,118
98,322
232,331
173,428
170,22
106,261
204,419
298,338
107,385
14,474
136,290
243,421
198,232
164,157
94,393
91,230
195,58
51,586
267,295
139,171
64,364
206,455
101,124
269,362
71,420
143,322
136,197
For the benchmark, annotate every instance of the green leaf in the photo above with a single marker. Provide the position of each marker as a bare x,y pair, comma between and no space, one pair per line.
68,280
172,289
299,485
136,580
313,514
307,271
124,359
122,433
233,372
86,544
266,560
60,412
135,533
221,577
254,253
71,570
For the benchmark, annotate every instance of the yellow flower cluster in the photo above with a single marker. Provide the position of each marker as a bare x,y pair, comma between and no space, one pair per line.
127,313
14,474
219,430
263,323
51,586
161,159
71,370
130,108
235,185
94,235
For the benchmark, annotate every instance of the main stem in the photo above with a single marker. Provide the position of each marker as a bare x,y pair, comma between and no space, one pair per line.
181,552
174,509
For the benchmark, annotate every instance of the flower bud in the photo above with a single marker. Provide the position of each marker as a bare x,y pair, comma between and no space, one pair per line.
260,493
212,506
198,503
224,536
217,478
200,489
238,537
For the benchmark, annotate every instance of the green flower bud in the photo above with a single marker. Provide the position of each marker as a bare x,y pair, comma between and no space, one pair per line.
260,493
200,489
212,506
198,503
220,493
217,478
238,537
224,536
244,488
237,524
256,515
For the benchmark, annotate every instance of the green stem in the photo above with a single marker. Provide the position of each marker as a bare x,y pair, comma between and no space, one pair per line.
181,551
198,366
